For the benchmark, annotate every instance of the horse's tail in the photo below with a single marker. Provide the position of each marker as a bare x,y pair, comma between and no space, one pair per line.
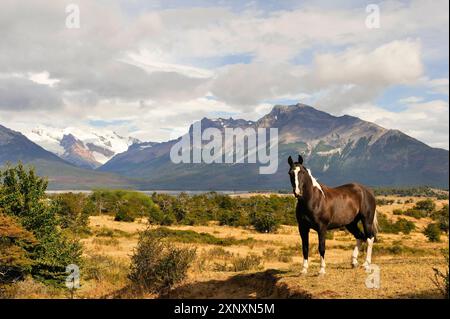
376,227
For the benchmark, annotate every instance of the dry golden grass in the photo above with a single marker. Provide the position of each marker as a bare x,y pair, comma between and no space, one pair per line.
404,275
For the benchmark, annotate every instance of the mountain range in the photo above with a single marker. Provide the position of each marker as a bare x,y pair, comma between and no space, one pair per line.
16,147
338,149
83,148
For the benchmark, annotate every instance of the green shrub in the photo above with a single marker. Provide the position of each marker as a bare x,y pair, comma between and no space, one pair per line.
433,232
416,213
265,222
426,205
190,236
441,217
398,249
124,214
384,201
229,218
157,264
401,225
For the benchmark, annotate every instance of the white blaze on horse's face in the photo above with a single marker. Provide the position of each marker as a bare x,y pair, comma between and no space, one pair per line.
297,189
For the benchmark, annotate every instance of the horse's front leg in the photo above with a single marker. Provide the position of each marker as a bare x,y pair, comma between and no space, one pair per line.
322,236
304,234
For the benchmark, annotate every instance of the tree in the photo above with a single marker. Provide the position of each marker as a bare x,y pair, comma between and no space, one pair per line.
15,261
73,210
22,195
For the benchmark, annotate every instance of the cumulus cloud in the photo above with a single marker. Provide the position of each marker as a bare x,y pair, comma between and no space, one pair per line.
147,65
422,120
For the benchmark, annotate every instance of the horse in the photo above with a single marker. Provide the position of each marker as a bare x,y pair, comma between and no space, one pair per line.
322,208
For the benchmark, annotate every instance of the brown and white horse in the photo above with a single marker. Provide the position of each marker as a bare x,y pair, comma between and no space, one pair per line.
322,208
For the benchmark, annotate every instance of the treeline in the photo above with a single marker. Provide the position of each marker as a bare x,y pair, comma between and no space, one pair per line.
419,191
264,213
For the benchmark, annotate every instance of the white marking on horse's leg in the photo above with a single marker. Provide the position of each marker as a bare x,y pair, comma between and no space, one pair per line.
305,266
369,252
356,252
322,265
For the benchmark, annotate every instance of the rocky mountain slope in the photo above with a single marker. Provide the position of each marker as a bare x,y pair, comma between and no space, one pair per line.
337,149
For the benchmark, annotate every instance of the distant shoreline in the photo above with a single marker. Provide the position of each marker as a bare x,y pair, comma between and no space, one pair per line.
170,192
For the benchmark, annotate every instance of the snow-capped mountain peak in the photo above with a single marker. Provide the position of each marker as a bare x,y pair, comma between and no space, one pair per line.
82,147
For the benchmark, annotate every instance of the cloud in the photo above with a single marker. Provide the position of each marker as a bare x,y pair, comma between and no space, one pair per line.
159,68
21,94
249,84
423,121
359,76
411,99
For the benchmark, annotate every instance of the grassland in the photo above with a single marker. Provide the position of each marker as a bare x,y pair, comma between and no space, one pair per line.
237,262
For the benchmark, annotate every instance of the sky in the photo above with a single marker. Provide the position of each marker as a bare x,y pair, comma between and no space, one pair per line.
150,68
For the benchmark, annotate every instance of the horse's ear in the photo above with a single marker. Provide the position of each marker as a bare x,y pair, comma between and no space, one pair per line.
290,161
300,159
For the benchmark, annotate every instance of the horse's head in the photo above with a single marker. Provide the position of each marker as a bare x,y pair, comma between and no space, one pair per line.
297,173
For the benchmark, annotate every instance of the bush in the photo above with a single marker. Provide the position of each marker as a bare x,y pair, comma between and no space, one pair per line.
416,213
433,232
265,222
190,236
249,262
384,201
124,214
401,225
441,217
157,265
426,205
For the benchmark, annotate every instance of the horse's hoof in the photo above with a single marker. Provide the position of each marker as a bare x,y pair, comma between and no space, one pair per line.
366,266
354,265
321,272
304,272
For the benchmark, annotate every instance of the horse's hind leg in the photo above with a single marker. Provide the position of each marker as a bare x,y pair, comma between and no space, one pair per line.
322,237
369,231
359,235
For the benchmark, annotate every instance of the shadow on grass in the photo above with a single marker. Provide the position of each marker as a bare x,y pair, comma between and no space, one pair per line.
426,294
255,285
